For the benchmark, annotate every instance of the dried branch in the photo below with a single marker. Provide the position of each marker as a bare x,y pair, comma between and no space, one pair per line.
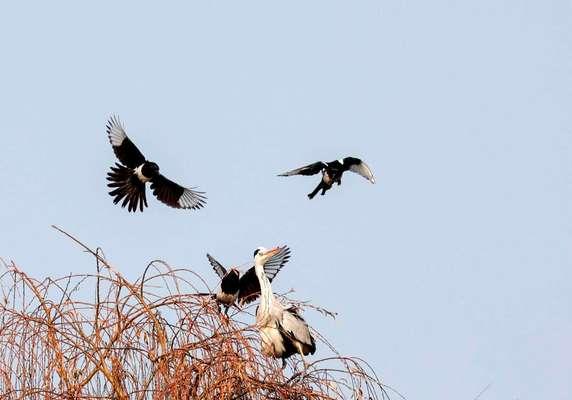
99,336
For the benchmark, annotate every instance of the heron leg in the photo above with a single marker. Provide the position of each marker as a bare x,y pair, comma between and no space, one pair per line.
304,361
301,352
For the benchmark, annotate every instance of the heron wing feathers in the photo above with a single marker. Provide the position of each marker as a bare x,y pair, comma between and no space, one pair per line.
276,262
297,329
249,284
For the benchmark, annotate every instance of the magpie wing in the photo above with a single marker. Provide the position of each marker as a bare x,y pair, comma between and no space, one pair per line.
249,287
359,167
124,149
175,195
218,268
310,169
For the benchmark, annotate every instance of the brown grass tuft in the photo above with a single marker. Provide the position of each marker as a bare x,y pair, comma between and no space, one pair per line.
99,336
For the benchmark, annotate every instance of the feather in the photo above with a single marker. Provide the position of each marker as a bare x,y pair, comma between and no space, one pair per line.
310,169
175,195
123,147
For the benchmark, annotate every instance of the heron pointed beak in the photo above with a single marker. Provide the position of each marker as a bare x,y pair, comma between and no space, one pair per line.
272,251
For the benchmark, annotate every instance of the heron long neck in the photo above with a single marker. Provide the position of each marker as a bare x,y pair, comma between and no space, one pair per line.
266,296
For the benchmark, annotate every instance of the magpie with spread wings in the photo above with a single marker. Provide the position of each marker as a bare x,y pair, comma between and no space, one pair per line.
128,178
246,288
332,172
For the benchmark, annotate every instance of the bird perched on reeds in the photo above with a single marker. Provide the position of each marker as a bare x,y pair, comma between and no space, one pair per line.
129,178
246,288
332,172
283,332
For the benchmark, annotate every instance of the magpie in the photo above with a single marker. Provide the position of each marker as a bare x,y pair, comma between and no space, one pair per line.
332,172
245,288
128,178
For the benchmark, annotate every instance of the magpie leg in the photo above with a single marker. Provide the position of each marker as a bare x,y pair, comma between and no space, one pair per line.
315,191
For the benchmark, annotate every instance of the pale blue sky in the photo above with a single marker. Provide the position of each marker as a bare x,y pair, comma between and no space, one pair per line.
452,272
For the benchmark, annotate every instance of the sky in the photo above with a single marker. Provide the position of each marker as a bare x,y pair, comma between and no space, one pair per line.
452,272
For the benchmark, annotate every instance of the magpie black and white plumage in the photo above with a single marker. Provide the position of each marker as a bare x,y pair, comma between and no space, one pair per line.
246,288
128,178
332,172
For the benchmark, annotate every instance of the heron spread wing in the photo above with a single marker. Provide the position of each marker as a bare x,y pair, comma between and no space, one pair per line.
249,284
359,167
123,147
276,262
310,169
218,268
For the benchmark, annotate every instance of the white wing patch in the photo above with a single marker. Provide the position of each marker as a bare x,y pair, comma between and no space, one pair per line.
363,170
115,131
191,199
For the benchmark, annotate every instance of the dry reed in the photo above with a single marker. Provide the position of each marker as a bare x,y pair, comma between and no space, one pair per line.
99,336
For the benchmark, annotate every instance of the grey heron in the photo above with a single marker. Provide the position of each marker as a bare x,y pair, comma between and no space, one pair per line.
245,288
283,332
332,172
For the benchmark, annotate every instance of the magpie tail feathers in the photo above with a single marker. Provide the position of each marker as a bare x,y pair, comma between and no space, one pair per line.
205,294
127,187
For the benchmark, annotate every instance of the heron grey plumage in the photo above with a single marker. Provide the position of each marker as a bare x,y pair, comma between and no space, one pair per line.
283,332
